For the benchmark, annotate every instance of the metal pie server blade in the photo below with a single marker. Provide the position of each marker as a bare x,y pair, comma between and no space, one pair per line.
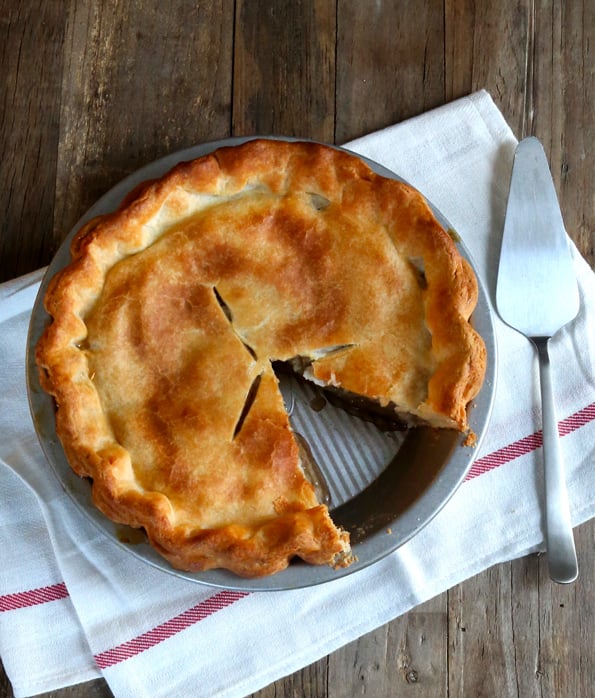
537,295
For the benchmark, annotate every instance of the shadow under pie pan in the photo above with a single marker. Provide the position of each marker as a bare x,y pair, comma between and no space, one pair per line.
382,486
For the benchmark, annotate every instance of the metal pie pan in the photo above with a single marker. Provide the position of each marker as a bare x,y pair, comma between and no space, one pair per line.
385,487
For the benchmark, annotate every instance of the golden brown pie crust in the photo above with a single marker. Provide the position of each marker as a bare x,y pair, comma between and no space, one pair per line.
167,320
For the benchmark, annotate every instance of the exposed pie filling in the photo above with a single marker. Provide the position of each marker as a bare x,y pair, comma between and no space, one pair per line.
169,318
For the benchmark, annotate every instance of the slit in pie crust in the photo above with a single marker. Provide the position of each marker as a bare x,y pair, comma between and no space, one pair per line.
167,321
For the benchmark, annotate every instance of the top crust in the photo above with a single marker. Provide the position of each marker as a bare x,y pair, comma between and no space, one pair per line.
167,319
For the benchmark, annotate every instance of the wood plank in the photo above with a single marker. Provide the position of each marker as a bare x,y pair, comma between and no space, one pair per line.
566,665
284,68
515,647
482,653
390,64
284,84
389,68
513,632
524,621
564,107
483,647
5,687
30,67
487,46
139,82
407,657
538,76
136,83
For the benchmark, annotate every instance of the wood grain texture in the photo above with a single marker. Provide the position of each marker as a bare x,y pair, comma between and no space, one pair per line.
564,107
29,132
567,618
93,90
482,635
284,68
536,60
513,632
407,657
390,63
488,46
128,98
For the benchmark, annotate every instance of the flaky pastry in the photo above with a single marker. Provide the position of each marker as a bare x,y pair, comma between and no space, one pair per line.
167,321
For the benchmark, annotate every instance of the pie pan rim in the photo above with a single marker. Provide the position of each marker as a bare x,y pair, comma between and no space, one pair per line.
386,536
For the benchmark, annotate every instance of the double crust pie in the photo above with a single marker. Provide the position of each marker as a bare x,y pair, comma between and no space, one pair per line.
169,320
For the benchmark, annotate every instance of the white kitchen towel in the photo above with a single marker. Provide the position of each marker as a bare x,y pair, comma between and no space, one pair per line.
74,606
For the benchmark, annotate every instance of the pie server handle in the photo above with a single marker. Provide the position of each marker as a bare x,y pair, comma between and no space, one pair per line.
561,552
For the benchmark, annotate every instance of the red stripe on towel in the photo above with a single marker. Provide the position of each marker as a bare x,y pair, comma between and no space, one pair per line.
223,599
33,597
153,637
530,443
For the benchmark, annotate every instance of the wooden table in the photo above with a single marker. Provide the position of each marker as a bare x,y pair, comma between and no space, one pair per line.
92,90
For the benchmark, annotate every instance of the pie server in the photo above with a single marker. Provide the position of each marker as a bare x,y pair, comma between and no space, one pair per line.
537,295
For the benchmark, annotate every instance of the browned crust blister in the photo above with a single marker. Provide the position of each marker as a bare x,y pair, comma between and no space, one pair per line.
165,323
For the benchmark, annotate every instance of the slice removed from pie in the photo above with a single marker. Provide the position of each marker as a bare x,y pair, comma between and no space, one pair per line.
166,324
